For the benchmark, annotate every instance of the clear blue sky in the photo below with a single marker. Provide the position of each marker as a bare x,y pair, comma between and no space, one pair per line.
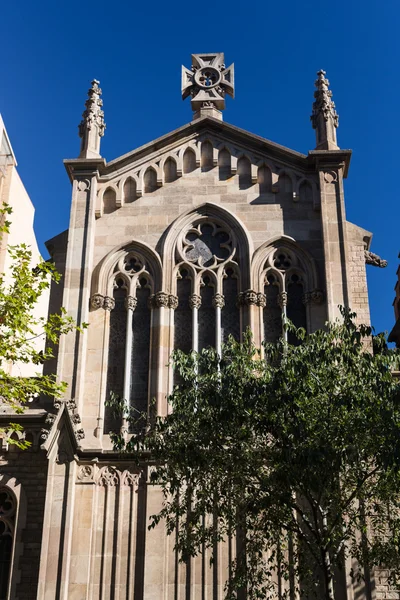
51,50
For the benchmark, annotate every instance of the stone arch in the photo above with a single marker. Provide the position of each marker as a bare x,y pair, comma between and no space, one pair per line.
102,274
150,180
109,200
170,169
244,172
264,176
214,212
207,155
286,185
189,160
224,163
262,253
129,188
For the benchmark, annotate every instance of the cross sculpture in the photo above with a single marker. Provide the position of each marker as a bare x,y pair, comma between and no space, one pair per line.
207,82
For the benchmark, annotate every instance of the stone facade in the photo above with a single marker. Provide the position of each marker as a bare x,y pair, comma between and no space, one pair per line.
202,232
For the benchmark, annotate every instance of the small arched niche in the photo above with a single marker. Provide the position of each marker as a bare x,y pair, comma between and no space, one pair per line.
206,156
129,190
189,161
109,201
285,187
150,181
244,172
265,180
305,192
170,174
224,164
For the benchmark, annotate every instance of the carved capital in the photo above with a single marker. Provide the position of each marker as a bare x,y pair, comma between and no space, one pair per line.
194,301
261,300
130,303
173,301
161,300
97,301
317,296
282,299
109,303
248,298
218,301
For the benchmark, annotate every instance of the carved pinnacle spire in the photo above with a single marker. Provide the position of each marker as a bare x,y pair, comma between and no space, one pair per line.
92,126
324,117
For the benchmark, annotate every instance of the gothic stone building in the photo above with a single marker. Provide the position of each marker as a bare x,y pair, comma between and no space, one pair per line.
199,234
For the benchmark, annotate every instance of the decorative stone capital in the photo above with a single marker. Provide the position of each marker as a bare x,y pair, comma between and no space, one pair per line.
161,299
194,301
173,301
109,303
130,303
97,301
248,298
261,300
282,299
317,296
218,301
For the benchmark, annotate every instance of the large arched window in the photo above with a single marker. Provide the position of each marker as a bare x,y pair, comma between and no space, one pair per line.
129,341
8,511
207,285
286,282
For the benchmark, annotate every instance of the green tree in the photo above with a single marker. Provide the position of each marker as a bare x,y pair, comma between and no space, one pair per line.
20,291
297,452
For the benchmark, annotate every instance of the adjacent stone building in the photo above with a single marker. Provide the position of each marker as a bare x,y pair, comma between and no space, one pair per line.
199,234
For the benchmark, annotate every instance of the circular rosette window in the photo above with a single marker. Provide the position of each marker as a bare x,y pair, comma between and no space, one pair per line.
207,244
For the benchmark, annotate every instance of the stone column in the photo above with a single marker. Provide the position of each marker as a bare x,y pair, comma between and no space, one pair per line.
218,304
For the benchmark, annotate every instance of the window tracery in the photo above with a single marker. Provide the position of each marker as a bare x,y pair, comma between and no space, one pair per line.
285,283
207,265
8,510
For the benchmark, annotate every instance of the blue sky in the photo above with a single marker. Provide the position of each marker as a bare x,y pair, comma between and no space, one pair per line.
51,51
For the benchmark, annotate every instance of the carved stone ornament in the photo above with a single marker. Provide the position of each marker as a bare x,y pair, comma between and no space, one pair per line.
85,474
97,301
374,260
282,299
131,479
330,177
218,301
248,298
173,301
317,297
161,299
109,476
261,300
130,303
208,81
83,185
323,104
93,115
76,419
207,244
109,303
194,301
71,404
79,434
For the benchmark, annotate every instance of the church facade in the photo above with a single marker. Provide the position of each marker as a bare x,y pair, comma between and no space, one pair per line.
199,234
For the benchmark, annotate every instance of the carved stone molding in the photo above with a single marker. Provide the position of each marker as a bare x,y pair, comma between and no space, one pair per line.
313,297
218,301
194,301
248,298
261,300
130,303
330,177
97,301
173,301
85,474
282,299
108,475
374,260
109,303
83,185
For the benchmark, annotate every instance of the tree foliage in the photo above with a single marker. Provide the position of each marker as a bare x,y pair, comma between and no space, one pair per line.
20,291
298,452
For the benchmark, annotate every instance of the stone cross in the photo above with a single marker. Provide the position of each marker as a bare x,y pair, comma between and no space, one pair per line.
207,82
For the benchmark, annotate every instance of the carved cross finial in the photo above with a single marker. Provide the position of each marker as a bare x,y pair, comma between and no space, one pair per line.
207,82
324,117
92,126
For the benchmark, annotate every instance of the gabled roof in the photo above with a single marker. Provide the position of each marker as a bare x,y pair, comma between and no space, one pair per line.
231,133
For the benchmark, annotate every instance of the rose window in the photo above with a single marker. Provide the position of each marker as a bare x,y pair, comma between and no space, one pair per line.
207,245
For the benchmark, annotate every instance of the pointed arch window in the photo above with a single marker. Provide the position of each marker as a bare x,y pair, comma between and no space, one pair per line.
130,326
284,283
8,511
207,281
